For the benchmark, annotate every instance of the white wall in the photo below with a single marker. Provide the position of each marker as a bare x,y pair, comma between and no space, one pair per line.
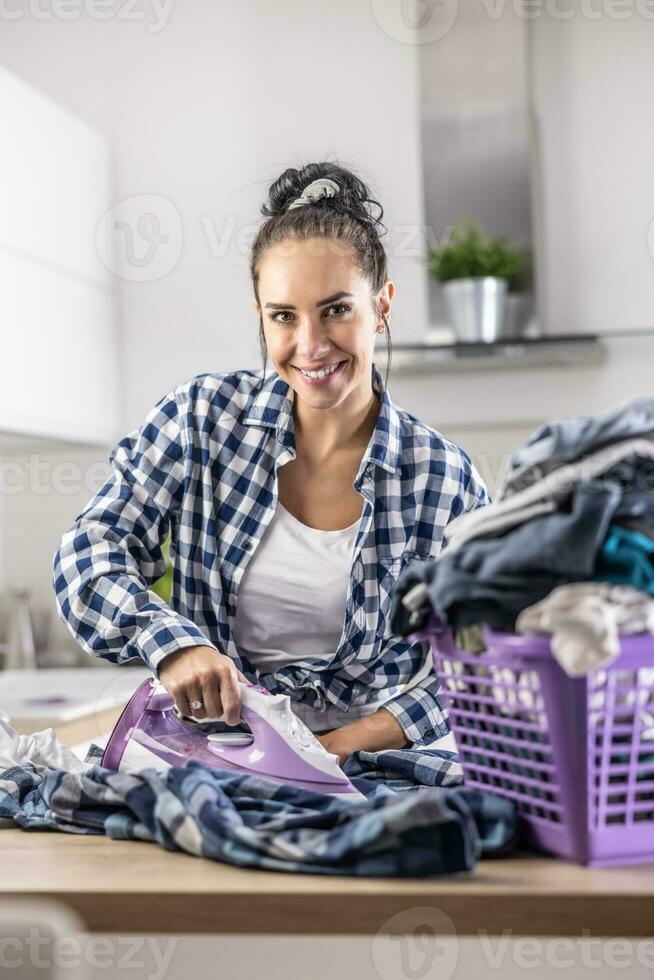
44,486
593,92
207,112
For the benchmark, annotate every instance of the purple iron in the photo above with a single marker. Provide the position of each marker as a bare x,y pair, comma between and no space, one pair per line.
150,733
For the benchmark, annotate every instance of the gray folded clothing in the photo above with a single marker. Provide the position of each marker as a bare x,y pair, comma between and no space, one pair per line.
552,491
493,578
565,440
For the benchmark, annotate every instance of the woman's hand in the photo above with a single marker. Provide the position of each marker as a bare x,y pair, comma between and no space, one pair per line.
380,730
202,674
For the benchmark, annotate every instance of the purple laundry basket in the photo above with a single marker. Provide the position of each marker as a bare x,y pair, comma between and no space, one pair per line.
575,755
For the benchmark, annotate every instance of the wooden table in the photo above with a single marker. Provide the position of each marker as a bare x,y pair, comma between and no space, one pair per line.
126,886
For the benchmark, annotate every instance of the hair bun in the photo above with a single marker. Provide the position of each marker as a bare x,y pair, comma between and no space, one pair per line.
353,195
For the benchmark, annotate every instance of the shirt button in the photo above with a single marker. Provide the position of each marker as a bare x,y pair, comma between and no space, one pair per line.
248,546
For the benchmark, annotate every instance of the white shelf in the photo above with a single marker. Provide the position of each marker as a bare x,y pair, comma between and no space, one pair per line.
564,351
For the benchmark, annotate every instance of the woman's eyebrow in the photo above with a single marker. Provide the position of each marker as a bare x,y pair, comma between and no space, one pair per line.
321,302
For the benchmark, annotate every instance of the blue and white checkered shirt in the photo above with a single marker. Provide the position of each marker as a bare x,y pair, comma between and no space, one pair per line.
203,467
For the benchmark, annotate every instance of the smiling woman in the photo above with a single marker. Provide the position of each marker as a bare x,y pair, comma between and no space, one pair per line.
343,237
293,500
319,273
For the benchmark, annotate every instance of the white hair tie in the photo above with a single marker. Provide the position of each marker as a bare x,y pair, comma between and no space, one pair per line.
315,191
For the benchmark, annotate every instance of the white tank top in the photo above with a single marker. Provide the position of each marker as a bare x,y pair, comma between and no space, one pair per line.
291,604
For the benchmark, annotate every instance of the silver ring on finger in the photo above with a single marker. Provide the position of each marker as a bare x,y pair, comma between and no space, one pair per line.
195,705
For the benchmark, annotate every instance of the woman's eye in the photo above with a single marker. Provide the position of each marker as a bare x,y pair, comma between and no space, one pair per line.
342,307
336,309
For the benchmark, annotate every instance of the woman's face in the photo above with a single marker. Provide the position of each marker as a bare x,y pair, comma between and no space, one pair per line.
319,321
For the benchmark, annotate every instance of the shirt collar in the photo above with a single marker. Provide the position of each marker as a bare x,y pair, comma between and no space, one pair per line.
272,407
385,447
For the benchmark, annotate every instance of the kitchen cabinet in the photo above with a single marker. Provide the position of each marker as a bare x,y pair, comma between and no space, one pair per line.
59,369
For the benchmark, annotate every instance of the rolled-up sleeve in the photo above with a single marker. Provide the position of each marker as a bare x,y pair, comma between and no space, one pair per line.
112,553
420,710
473,492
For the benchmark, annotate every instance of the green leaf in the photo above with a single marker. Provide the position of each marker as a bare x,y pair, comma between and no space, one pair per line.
470,253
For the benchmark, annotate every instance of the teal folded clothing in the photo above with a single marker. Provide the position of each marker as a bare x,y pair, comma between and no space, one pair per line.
626,558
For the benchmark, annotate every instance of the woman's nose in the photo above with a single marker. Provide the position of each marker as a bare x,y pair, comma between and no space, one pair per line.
311,338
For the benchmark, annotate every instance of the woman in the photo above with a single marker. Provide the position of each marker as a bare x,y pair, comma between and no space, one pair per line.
293,500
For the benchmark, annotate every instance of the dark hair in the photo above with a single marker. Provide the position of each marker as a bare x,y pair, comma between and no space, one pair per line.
348,217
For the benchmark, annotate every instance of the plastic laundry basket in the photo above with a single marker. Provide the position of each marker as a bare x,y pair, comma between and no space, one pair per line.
575,755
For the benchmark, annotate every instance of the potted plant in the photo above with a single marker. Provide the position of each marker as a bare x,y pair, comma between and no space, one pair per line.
476,273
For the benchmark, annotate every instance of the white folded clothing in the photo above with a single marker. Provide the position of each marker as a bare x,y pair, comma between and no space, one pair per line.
585,620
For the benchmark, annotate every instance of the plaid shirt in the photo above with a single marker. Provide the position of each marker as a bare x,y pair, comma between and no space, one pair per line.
203,467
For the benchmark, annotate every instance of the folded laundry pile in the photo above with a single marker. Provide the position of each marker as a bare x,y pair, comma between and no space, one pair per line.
439,827
566,548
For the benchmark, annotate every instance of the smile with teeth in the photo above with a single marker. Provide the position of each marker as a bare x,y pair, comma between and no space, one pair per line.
323,372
